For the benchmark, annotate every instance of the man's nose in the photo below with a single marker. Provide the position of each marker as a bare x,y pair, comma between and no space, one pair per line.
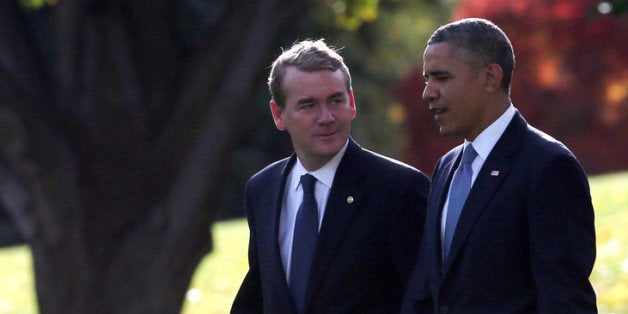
325,115
429,92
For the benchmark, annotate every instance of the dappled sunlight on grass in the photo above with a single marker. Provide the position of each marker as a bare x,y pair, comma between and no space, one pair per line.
610,274
219,275
17,292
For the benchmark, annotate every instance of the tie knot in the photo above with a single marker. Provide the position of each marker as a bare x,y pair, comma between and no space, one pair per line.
469,154
308,180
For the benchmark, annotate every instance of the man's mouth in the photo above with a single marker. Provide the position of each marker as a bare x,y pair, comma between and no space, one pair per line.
437,111
326,135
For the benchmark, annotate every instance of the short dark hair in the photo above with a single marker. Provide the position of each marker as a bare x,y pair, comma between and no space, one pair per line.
481,43
309,56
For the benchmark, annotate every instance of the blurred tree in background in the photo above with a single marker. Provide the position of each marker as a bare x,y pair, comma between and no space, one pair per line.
115,120
127,127
570,80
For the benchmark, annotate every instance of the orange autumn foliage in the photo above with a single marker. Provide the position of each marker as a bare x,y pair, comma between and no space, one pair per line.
570,80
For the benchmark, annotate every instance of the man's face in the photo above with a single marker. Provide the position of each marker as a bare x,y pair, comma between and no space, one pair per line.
317,114
454,91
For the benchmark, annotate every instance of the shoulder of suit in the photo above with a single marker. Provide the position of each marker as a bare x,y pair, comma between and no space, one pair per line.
542,142
271,171
388,163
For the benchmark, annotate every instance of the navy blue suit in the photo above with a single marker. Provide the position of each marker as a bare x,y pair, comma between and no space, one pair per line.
525,241
366,247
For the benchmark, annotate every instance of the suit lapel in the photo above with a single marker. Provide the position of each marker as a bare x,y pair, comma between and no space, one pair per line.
342,205
491,175
272,210
438,195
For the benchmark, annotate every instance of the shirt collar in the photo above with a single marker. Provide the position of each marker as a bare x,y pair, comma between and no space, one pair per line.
484,143
324,174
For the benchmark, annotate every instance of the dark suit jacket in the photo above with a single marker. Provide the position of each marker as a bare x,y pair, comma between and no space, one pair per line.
525,241
366,248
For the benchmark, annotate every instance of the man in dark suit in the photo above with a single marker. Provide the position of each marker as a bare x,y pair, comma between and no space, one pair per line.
369,209
524,239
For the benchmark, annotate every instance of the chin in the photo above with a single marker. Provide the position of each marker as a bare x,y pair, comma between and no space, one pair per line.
448,132
329,151
445,133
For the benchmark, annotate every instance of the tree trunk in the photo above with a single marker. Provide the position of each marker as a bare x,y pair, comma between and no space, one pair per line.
112,142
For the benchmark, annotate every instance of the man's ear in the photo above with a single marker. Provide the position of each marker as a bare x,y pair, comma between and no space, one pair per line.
493,76
352,104
277,113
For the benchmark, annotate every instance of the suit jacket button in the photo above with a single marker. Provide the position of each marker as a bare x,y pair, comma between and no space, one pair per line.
444,309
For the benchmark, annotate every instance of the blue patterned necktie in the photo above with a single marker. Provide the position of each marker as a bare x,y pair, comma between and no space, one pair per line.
458,191
304,241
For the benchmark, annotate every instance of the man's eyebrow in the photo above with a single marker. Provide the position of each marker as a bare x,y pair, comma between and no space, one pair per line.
305,100
311,99
435,73
336,95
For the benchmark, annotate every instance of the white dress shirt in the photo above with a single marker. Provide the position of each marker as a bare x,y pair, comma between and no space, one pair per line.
483,145
293,196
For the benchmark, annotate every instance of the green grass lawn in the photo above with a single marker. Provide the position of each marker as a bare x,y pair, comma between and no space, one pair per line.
219,275
610,274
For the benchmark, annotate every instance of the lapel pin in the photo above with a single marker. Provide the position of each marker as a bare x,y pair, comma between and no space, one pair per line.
350,199
494,173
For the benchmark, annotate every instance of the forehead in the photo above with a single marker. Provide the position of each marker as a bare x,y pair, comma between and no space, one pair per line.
443,55
294,73
316,82
441,51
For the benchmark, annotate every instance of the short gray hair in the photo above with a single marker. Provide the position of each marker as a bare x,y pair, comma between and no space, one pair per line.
309,56
481,43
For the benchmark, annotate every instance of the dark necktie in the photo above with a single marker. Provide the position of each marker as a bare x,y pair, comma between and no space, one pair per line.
458,191
304,241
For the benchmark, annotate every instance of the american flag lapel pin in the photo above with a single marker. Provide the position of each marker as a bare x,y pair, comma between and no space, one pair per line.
494,173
